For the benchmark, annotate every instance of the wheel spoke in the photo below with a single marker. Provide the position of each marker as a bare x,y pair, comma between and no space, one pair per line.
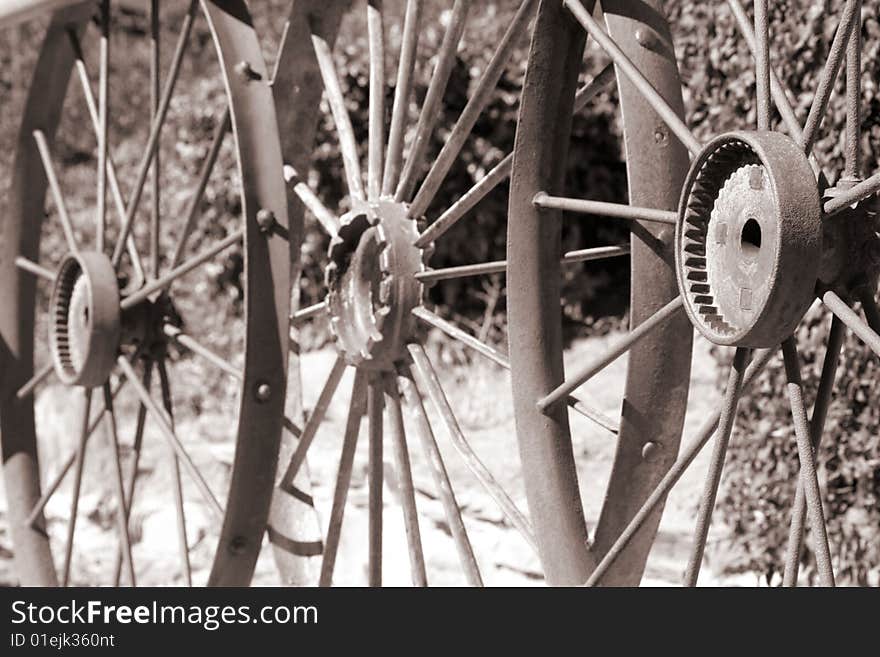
77,487
155,90
672,476
103,113
115,190
625,65
853,152
602,361
416,408
853,195
808,476
500,266
615,210
303,314
57,194
336,100
376,138
196,347
716,465
41,375
176,485
315,419
430,111
497,357
501,171
376,478
406,491
476,104
121,519
325,217
817,424
762,64
430,383
343,477
169,435
408,51
819,107
849,317
166,280
33,268
155,130
55,483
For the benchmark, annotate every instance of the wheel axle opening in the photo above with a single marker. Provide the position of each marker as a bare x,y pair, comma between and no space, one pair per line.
750,239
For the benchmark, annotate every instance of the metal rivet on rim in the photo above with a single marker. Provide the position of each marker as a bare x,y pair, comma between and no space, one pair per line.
265,220
650,452
646,38
245,70
263,392
237,545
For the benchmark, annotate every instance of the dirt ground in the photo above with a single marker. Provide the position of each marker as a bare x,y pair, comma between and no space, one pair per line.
481,399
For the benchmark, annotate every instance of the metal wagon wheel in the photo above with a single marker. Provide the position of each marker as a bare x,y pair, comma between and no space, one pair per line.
121,319
377,269
738,242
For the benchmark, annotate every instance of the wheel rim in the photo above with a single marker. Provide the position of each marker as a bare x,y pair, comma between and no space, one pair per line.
637,43
379,325
146,304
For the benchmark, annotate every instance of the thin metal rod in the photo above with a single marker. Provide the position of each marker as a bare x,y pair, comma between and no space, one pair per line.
169,435
428,381
406,488
615,210
356,409
103,112
716,465
155,182
824,392
57,194
195,201
92,106
137,446
762,64
166,280
853,150
315,419
376,121
55,483
336,100
196,347
783,104
155,131
759,361
500,266
121,519
430,112
625,65
176,483
597,364
808,476
819,107
33,268
501,359
325,217
376,478
309,312
455,141
41,375
856,194
402,91
77,487
501,171
855,323
413,401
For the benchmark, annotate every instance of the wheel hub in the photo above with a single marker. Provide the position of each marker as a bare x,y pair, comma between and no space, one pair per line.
749,239
84,326
372,285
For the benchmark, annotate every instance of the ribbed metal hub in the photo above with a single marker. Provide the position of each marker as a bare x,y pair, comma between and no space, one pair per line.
372,285
84,326
749,239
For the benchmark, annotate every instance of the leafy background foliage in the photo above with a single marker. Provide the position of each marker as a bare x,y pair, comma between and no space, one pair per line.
718,86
